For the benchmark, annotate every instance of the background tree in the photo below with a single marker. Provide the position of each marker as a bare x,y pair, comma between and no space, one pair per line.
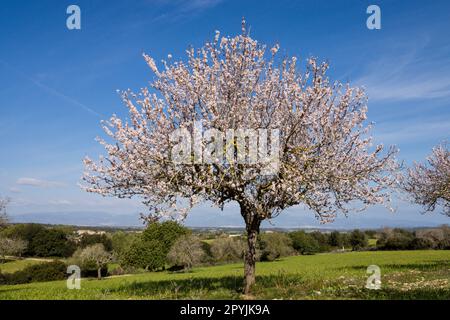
429,185
358,240
227,249
91,239
146,254
186,252
121,242
335,239
3,216
96,255
304,243
275,245
11,247
51,243
150,249
324,161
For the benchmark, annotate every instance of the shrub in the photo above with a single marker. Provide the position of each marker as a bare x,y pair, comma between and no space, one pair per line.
11,247
51,243
186,252
304,243
150,249
358,240
395,239
121,242
275,245
149,255
47,271
91,239
227,249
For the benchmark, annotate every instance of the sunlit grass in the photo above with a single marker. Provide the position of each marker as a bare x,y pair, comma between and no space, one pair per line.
405,274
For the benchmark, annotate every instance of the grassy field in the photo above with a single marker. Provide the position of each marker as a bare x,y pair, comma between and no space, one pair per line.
404,275
16,265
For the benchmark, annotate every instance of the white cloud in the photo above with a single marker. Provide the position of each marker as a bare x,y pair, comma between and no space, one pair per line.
38,183
60,202
411,71
14,190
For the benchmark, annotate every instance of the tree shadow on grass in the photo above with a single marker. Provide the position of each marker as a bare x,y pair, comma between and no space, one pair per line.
426,266
398,294
182,288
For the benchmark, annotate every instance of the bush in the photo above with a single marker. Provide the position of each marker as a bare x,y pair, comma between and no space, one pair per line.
150,249
304,243
395,239
358,240
322,239
47,271
121,242
275,245
227,249
91,239
51,243
149,255
42,241
186,252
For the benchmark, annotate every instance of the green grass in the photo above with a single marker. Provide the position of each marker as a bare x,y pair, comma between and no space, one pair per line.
404,274
11,266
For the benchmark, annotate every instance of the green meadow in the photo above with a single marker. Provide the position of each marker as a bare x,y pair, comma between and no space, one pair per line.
421,274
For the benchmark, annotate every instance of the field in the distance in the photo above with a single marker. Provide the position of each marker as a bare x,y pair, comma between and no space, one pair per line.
404,275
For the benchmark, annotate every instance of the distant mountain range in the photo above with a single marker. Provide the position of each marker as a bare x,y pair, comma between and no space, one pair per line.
91,219
227,220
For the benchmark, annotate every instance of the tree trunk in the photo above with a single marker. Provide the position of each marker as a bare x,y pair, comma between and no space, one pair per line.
99,273
250,260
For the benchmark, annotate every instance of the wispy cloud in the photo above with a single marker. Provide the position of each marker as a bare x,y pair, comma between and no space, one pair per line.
38,183
38,83
178,9
414,72
60,202
14,190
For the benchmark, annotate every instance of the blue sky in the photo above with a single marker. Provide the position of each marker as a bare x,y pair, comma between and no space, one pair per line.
57,84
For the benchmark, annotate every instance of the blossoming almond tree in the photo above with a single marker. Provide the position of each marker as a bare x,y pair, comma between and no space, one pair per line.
429,185
321,143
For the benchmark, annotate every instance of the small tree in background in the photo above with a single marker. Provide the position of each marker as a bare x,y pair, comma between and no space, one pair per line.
429,185
336,240
3,216
227,249
304,243
12,247
319,139
358,240
149,255
186,252
275,245
91,239
96,255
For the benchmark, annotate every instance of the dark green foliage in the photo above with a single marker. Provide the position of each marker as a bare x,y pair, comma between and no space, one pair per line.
150,250
42,241
304,243
149,255
396,239
322,240
91,239
335,239
274,245
121,242
48,271
166,232
358,240
51,243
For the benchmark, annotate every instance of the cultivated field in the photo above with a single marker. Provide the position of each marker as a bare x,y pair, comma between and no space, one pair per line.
404,275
